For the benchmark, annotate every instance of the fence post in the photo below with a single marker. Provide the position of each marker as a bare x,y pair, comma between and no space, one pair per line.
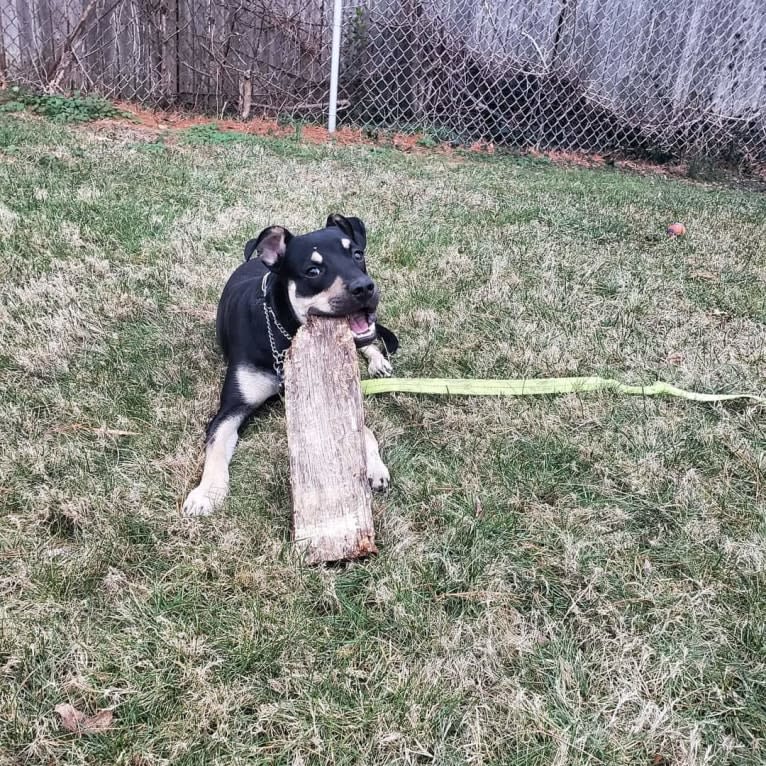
337,18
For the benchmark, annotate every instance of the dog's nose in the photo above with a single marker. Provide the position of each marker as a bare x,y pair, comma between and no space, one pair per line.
362,288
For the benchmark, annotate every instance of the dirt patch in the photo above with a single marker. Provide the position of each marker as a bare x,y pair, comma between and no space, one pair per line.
150,123
561,157
158,122
161,121
565,158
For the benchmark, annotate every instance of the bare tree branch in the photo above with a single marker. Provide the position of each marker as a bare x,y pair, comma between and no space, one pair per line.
63,60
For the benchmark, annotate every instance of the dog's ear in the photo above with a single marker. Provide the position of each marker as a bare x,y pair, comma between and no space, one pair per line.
250,246
351,227
270,245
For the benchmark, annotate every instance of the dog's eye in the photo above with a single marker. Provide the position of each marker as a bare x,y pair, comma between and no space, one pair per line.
313,271
358,255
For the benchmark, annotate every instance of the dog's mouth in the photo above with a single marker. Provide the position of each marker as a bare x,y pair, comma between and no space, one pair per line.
362,325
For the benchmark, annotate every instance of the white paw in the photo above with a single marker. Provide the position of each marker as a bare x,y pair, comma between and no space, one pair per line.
378,475
380,367
201,502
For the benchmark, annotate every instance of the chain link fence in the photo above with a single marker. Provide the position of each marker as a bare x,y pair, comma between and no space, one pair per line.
661,79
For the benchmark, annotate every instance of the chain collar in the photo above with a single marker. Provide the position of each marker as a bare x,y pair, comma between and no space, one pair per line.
271,318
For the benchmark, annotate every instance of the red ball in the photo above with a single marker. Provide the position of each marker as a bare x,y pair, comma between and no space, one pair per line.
676,230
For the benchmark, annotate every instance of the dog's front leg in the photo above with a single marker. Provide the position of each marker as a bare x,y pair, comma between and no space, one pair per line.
377,473
245,389
379,366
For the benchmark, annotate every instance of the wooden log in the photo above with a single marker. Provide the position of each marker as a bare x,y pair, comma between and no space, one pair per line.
332,505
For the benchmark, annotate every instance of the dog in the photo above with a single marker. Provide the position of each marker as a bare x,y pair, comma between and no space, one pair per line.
263,304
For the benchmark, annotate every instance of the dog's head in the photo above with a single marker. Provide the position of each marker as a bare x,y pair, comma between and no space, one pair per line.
324,272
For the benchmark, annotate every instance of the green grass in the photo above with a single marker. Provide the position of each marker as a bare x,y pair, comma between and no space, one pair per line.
572,580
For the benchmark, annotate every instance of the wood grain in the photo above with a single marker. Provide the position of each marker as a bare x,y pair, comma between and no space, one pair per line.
332,504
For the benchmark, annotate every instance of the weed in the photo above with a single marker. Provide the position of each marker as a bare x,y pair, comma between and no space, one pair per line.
211,134
295,123
67,109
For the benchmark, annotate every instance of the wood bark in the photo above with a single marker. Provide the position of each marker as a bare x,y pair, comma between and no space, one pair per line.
332,505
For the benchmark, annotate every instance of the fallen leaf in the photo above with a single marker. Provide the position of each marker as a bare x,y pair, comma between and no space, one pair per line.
71,718
99,722
76,721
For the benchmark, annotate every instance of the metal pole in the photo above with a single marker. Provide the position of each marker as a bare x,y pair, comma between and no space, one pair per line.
337,18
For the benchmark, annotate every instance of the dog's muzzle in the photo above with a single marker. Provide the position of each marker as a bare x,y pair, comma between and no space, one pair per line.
359,308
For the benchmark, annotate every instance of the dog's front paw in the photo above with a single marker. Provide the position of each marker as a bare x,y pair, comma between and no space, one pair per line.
380,367
378,475
200,502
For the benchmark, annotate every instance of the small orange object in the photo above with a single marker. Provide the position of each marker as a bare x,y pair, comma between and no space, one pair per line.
676,230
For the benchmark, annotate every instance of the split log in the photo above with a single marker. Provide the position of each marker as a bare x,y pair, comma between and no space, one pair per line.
332,504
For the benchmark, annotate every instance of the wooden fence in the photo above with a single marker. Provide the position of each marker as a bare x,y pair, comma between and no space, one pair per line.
681,77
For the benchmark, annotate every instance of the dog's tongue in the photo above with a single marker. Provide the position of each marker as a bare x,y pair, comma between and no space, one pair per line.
358,323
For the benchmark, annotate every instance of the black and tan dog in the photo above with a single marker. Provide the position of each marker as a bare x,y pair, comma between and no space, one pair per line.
262,306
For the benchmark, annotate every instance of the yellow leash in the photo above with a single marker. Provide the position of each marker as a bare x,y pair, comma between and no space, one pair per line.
536,387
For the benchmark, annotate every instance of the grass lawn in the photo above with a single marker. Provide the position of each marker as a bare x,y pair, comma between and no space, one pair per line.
563,580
